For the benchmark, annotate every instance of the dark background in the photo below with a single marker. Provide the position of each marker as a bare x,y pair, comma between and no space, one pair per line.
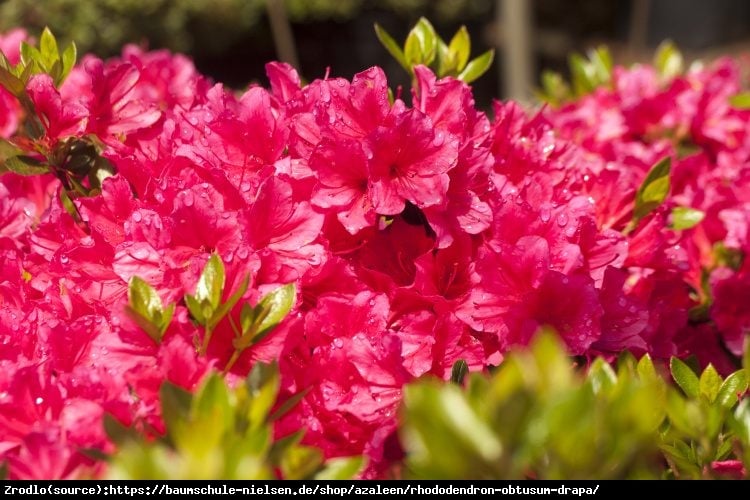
231,40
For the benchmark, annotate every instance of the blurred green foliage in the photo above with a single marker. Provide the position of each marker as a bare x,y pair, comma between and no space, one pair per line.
222,433
206,27
538,417
587,73
424,46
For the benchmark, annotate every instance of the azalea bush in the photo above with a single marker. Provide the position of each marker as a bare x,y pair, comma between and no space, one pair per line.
284,281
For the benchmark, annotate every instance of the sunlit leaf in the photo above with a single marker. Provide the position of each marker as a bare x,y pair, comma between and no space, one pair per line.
654,189
477,67
685,218
685,377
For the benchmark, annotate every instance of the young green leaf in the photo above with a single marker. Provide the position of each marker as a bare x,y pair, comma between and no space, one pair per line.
48,49
146,309
601,376
600,65
301,462
459,371
740,101
685,377
646,369
342,468
11,82
287,405
175,403
685,218
710,383
477,67
264,317
459,49
668,60
68,59
733,386
30,54
143,298
25,165
653,190
211,283
196,309
582,74
554,88
117,432
391,46
227,306
263,386
421,44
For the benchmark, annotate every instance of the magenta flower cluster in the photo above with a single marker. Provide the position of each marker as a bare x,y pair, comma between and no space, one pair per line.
418,231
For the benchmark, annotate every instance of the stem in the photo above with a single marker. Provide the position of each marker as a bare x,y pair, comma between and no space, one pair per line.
232,360
206,340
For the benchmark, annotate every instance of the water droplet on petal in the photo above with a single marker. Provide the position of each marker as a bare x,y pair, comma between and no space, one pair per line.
562,219
39,400
187,198
545,214
338,343
137,217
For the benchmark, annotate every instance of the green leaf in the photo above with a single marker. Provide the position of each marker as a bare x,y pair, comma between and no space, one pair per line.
746,355
654,189
740,421
668,60
391,46
175,404
459,49
151,329
259,321
685,218
646,369
196,309
740,101
581,74
147,310
117,432
30,54
211,283
300,462
11,82
735,384
477,67
710,383
342,468
263,386
601,65
144,299
248,314
25,165
459,371
685,377
227,306
68,61
213,397
287,405
166,319
601,376
48,49
554,88
421,44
